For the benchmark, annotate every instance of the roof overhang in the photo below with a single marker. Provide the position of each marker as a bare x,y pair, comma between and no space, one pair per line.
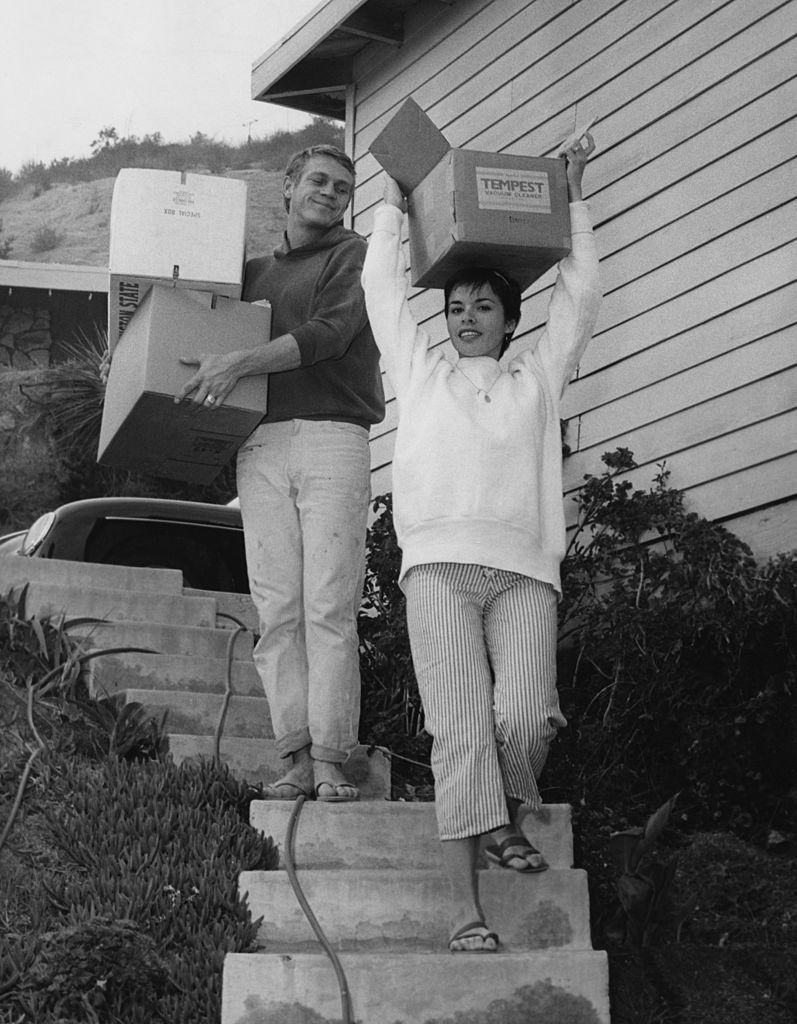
311,67
52,277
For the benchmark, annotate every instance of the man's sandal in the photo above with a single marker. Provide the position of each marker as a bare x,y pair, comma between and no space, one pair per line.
474,930
338,794
499,853
289,787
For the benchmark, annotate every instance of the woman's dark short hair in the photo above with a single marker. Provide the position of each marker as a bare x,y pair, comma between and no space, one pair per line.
507,291
298,162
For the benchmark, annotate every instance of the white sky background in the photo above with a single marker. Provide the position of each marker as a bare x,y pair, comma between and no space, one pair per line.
69,68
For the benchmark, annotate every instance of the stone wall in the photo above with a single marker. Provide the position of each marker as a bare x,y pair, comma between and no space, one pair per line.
25,337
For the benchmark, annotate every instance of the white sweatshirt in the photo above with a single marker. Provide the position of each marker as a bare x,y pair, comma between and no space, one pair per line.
479,481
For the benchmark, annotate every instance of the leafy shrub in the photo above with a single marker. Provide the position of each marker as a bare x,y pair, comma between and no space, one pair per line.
679,660
45,238
36,174
6,183
6,244
391,714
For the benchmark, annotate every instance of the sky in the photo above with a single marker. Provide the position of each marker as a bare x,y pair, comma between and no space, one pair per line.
69,68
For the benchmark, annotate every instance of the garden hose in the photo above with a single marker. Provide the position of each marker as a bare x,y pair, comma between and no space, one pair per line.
345,997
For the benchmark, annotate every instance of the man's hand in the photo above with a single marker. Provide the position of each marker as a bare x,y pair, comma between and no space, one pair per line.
576,157
392,193
214,379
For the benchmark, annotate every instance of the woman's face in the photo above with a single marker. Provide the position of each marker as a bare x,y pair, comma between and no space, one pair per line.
476,321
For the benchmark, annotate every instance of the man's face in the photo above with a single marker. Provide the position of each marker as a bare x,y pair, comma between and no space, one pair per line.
320,197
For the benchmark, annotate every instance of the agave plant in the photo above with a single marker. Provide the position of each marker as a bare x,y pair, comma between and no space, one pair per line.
69,395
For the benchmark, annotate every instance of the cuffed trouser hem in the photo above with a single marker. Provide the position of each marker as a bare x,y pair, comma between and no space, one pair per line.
287,745
300,738
319,753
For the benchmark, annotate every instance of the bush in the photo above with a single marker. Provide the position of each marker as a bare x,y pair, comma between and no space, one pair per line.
36,174
6,244
391,714
7,187
45,238
678,661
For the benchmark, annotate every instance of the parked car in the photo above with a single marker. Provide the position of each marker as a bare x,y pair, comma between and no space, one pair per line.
204,541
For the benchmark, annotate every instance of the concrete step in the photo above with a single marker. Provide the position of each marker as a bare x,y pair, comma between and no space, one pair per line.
547,987
55,599
198,713
114,672
407,911
198,641
238,605
257,761
391,834
16,570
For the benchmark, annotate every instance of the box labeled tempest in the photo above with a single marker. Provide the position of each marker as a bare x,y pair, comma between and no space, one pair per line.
143,429
177,229
468,207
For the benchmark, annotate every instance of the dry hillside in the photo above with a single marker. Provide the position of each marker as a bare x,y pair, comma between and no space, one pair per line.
79,216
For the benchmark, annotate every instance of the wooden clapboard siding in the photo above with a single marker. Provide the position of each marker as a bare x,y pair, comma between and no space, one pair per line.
754,318
692,194
709,393
764,529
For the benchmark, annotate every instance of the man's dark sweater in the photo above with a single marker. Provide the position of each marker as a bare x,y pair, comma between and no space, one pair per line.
316,295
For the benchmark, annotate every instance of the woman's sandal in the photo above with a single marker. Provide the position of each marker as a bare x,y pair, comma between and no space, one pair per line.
474,930
498,853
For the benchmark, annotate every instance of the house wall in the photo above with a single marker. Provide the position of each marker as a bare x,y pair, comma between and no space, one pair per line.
692,194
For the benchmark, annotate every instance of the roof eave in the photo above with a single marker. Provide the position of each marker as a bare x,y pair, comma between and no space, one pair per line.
306,71
67,277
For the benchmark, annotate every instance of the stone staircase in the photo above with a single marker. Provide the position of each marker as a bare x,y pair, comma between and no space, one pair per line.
372,875
370,870
195,652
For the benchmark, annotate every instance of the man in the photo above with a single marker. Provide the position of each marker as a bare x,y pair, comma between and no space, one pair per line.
304,473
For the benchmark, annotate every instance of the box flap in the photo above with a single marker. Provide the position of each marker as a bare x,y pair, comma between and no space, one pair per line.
409,146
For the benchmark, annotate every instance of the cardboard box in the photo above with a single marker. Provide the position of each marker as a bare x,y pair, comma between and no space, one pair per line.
468,207
173,228
143,429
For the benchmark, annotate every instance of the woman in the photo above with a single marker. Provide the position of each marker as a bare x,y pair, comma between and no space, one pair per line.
477,494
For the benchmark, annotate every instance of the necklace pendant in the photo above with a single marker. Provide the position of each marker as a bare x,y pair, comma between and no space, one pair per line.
487,397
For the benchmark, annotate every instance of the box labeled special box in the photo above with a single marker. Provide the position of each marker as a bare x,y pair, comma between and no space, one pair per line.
473,208
143,429
177,229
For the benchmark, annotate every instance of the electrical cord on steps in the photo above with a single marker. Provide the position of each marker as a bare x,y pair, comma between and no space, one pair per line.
343,985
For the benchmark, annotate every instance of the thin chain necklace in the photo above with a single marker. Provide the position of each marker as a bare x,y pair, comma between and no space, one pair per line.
479,391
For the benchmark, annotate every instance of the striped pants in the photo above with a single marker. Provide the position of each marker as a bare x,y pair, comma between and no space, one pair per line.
484,650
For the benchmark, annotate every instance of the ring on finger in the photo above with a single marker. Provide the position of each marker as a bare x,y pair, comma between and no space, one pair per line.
210,399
